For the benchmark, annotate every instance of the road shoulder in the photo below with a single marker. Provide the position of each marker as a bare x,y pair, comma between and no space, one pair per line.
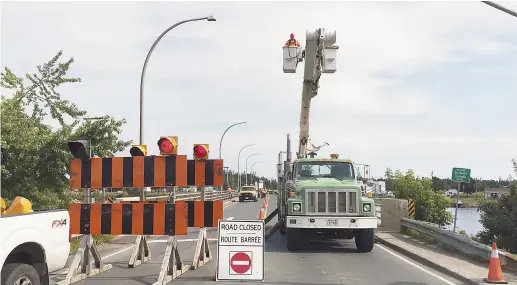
439,259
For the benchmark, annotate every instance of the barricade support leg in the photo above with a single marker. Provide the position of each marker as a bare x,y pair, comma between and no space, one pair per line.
203,254
141,252
172,267
80,268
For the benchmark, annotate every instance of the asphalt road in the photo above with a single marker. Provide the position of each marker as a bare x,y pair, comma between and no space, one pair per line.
324,263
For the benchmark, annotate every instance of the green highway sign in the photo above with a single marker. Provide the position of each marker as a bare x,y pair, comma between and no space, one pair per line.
461,175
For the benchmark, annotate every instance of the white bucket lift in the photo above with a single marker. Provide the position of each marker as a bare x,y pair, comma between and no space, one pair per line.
292,55
329,59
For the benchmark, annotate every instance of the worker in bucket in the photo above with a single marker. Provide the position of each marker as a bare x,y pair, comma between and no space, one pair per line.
292,42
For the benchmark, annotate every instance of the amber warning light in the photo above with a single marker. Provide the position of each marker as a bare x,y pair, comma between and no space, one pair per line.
201,151
168,145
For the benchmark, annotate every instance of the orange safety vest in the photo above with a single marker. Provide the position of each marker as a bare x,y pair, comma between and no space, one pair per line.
292,43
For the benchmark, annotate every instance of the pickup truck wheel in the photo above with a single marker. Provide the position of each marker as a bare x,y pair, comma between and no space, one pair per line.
19,274
364,240
294,239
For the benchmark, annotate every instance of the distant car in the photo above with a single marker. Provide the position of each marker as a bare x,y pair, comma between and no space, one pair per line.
248,193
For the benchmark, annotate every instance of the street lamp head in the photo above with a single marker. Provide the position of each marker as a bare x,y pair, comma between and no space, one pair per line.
210,19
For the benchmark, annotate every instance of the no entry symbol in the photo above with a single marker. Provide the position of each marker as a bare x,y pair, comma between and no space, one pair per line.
240,262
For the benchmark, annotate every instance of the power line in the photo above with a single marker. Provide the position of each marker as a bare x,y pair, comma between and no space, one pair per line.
501,8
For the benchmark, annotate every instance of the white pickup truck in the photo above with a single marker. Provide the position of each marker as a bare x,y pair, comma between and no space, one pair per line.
32,245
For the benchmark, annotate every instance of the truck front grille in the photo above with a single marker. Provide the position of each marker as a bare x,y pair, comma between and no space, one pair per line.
324,202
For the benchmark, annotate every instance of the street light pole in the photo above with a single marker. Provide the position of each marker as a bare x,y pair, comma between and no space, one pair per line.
226,170
251,170
247,165
144,68
221,141
239,166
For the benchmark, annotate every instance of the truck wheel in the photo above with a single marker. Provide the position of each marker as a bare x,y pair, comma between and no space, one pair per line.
294,239
364,240
19,273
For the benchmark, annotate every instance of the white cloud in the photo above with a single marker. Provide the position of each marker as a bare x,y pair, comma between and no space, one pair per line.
384,106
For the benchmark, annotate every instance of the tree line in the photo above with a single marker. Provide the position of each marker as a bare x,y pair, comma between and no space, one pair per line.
444,184
498,217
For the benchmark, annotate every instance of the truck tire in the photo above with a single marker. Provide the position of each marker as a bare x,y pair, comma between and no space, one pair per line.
13,273
294,239
364,240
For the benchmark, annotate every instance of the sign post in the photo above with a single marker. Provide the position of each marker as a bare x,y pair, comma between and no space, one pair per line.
459,175
240,254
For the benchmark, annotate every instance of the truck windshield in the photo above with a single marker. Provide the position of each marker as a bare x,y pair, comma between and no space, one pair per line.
248,188
319,169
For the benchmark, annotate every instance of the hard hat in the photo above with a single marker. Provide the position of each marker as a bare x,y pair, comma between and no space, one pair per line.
292,35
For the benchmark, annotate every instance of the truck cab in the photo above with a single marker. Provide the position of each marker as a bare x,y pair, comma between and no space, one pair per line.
248,192
325,200
32,243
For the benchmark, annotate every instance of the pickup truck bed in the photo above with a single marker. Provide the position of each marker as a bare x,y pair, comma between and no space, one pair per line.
33,244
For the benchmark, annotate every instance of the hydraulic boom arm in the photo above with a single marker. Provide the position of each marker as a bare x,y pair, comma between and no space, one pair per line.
320,57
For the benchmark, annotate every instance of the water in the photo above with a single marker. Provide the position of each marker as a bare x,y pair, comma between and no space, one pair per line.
468,220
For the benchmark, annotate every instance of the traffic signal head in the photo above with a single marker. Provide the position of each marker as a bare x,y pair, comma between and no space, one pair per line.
168,145
138,150
201,151
80,149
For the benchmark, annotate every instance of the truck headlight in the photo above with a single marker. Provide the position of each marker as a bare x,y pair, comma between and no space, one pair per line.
297,207
367,207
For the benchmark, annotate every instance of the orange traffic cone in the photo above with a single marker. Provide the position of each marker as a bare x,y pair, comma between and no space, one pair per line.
495,274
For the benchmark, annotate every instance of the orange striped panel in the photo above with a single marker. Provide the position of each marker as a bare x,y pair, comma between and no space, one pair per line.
159,171
75,174
96,168
117,166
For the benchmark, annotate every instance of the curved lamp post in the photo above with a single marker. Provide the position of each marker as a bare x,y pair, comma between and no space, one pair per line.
144,68
257,153
221,141
251,170
239,166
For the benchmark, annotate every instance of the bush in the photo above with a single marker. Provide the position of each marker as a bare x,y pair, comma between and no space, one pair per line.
499,219
430,206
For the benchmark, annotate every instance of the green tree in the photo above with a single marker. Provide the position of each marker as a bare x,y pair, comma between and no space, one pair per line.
38,154
499,219
430,206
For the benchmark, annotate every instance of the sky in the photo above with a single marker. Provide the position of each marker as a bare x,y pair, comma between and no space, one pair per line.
420,85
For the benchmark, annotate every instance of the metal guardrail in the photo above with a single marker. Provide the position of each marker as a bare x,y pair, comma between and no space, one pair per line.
460,243
209,196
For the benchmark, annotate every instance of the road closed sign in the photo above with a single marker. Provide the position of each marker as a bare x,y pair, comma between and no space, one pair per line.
240,254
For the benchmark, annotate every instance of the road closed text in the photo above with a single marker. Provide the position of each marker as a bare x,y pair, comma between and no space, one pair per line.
241,239
241,233
241,227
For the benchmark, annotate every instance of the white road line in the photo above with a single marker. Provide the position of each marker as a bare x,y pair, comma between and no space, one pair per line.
416,265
